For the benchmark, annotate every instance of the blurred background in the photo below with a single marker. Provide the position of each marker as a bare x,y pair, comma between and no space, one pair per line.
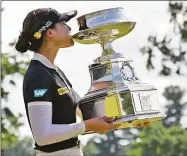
158,46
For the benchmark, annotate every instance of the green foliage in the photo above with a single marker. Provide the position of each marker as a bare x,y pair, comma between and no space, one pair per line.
23,148
11,65
174,108
160,141
110,144
10,123
173,57
156,140
100,146
91,149
9,128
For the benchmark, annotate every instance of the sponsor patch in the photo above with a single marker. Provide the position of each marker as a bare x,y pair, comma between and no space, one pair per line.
39,92
62,91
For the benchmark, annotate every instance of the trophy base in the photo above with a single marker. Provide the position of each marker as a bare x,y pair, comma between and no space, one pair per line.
135,120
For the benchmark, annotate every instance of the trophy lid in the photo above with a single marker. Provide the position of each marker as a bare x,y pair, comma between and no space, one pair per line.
103,26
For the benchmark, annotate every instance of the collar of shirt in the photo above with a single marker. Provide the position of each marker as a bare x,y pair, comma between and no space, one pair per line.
44,60
47,63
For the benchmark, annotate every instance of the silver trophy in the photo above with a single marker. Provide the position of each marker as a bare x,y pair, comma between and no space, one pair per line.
115,89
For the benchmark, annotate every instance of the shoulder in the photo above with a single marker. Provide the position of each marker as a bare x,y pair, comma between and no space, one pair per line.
37,75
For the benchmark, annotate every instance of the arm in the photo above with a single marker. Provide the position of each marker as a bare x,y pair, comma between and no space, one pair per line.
77,98
44,132
79,113
39,107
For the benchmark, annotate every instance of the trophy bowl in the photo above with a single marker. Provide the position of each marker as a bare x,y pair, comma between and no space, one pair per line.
103,26
116,90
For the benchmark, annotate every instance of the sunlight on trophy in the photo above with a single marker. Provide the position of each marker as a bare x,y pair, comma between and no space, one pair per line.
115,89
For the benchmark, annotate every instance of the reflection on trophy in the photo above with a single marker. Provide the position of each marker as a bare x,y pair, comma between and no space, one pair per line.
115,88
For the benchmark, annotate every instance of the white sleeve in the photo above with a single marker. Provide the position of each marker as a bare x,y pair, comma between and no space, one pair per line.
44,132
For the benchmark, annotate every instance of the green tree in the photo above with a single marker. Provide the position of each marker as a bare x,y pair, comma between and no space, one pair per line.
111,144
10,128
10,123
11,64
173,56
155,139
11,143
175,108
160,141
103,146
23,148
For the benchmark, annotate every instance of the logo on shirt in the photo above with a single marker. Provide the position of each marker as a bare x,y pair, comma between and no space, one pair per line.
62,91
39,92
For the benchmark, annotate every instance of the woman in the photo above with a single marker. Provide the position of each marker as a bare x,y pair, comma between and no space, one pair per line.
50,100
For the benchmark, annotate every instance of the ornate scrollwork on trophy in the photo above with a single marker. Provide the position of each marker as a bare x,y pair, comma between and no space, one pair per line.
127,72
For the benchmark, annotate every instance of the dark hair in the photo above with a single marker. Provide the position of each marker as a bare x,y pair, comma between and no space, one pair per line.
31,24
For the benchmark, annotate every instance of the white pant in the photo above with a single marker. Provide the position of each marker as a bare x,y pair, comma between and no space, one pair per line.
74,151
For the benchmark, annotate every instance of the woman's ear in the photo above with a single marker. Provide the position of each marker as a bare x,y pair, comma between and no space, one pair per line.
50,33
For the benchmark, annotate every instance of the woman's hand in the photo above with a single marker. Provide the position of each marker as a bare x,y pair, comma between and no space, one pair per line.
100,125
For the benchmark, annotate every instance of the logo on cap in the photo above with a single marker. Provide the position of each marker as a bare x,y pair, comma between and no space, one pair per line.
38,34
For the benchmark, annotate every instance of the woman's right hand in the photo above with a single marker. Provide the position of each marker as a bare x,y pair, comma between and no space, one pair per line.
100,125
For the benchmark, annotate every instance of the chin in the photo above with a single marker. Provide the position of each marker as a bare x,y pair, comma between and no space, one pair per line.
71,42
68,44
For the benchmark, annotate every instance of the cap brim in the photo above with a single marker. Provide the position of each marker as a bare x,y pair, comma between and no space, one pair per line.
67,15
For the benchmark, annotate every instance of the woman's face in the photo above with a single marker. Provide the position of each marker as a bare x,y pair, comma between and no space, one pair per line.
61,35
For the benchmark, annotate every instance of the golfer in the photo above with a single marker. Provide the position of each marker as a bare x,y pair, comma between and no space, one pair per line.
50,100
